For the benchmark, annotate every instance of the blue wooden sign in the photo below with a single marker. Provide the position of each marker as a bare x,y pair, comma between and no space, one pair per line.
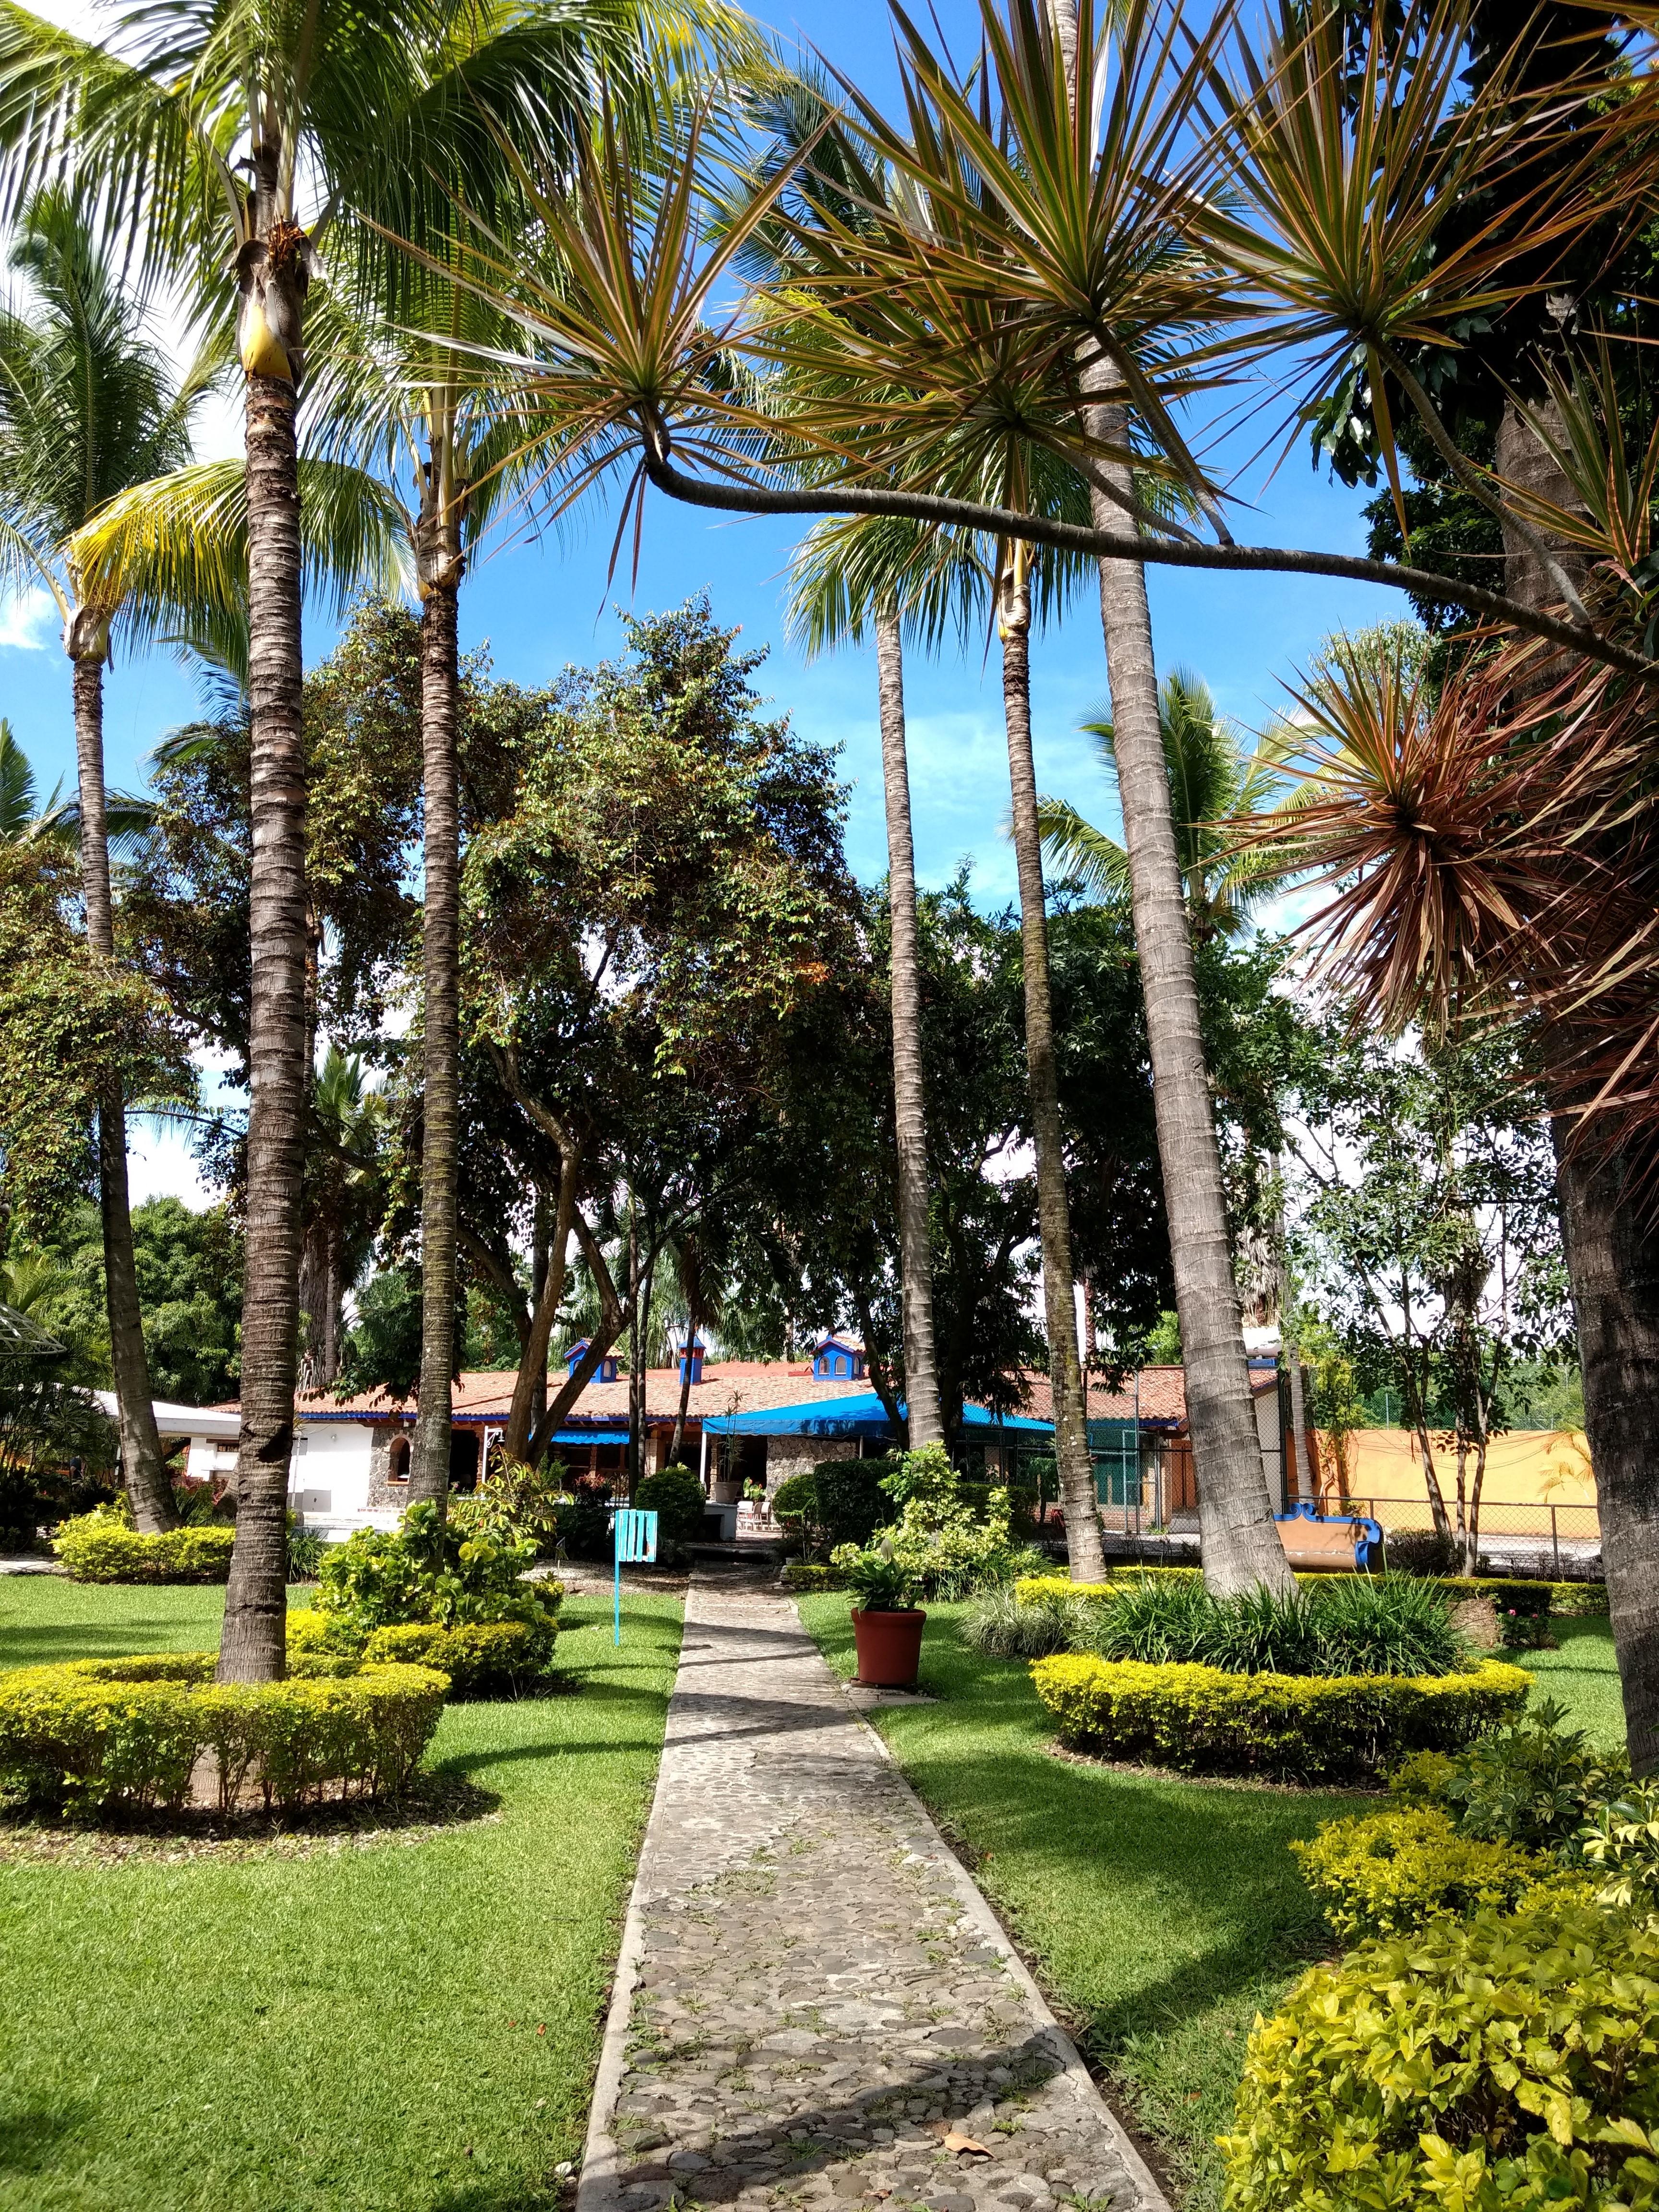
635,1536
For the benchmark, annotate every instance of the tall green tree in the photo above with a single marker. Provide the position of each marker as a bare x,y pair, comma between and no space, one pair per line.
1217,793
89,410
849,580
234,135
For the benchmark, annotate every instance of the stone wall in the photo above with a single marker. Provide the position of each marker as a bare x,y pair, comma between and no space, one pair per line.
788,1456
384,1495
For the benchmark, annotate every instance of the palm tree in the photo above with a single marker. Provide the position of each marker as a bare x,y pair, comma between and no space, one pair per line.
1083,1547
1218,793
844,578
430,390
88,410
343,1189
216,127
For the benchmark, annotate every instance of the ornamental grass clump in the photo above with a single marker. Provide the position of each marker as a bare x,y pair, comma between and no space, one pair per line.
1355,1626
1003,1626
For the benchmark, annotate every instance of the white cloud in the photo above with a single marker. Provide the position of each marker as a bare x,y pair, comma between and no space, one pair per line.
161,1164
28,620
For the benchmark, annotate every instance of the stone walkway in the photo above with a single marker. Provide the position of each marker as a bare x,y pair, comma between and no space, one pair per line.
814,2003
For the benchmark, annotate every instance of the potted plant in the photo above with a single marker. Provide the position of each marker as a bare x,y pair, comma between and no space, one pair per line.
887,1623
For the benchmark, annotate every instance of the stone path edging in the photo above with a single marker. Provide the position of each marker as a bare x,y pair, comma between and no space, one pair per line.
795,1770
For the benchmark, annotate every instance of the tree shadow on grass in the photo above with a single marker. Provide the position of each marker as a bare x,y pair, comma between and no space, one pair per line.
29,2136
32,1645
435,1801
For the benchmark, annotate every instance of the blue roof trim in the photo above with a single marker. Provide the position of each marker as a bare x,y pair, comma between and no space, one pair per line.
862,1415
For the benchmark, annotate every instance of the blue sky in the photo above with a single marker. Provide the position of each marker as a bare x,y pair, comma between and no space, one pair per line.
540,606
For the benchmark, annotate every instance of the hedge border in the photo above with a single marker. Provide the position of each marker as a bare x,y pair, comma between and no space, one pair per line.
1291,1727
1567,1598
94,1548
128,1733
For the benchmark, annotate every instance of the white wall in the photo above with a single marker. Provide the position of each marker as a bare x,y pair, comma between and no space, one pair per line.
328,1475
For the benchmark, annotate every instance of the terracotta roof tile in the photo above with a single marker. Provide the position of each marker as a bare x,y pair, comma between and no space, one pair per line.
728,1386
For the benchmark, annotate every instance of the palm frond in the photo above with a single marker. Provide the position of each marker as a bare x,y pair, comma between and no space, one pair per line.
172,554
1077,851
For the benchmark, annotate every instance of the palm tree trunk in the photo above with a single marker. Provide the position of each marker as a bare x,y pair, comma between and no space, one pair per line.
143,1467
428,1475
925,1423
1084,1549
677,1442
1611,1241
253,1649
1241,1543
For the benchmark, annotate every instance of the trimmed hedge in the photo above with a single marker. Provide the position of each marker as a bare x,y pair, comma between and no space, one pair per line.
482,1658
1033,1589
1567,1600
1385,1874
96,1733
1488,2065
1296,1728
798,1575
99,1547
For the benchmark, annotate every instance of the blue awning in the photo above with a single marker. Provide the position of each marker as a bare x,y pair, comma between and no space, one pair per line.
863,1415
601,1434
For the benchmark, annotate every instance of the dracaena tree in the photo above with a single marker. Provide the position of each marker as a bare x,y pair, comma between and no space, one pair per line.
1113,228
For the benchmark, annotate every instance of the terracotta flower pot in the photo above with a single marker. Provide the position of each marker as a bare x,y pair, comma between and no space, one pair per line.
889,1648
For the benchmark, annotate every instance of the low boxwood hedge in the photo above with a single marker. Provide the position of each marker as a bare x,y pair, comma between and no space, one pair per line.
100,1547
799,1576
1384,1873
482,1658
1498,2064
1294,1728
129,1733
1566,1599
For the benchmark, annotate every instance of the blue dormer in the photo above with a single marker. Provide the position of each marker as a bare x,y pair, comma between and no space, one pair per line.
837,1359
695,1351
606,1371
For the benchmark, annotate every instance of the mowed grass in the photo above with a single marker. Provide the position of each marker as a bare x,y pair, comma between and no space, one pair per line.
1583,1675
413,2024
1159,1914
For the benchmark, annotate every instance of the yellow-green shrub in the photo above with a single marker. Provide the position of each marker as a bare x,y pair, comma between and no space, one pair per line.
1308,1728
1384,1873
482,1658
1033,1589
1498,2064
128,1732
100,1547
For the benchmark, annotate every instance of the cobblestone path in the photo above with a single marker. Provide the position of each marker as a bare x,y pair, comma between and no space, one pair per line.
815,2005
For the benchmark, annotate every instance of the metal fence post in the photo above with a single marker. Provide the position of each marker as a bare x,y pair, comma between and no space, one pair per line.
1555,1543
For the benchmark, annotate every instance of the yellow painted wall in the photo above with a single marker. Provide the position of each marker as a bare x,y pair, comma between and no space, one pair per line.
1528,1472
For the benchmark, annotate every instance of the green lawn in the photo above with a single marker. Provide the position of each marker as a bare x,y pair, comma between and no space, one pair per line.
1583,1675
1160,1914
410,2025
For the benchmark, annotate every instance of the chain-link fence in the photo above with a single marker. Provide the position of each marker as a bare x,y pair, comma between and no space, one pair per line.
1148,1509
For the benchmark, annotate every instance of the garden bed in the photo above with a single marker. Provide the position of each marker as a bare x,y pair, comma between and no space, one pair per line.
1160,1913
329,2022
